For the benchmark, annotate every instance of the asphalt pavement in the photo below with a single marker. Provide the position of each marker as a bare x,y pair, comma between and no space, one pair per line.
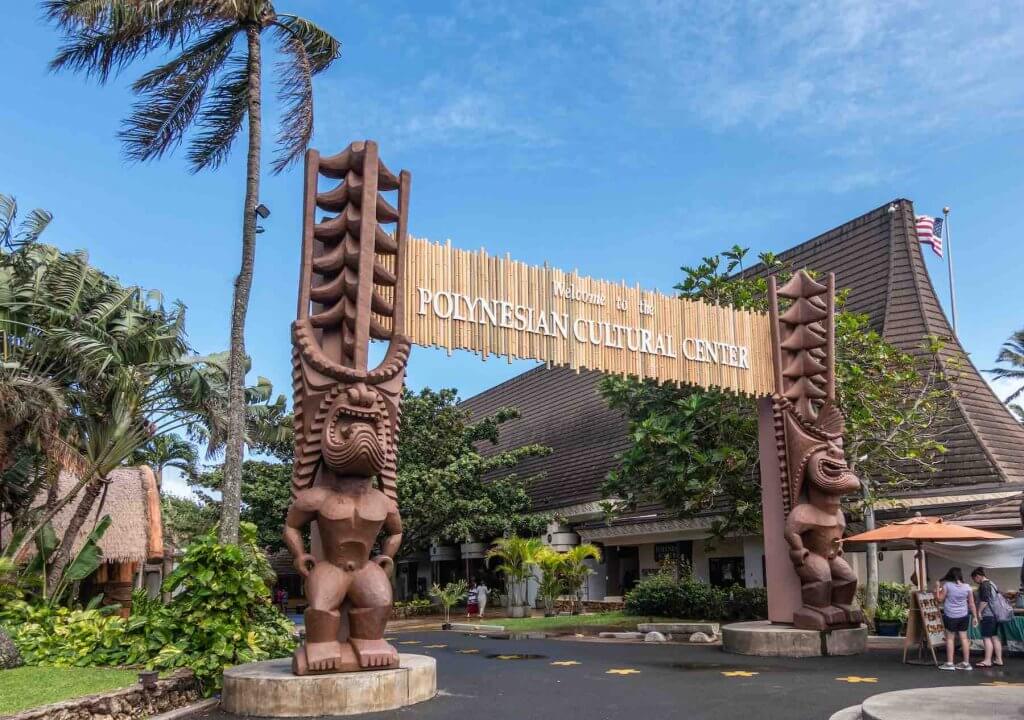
568,679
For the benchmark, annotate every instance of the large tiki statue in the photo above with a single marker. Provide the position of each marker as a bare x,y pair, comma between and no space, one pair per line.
346,414
809,435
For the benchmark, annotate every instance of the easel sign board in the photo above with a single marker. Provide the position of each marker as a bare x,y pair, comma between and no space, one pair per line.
924,626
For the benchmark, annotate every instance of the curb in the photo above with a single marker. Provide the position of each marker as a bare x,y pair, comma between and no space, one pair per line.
187,710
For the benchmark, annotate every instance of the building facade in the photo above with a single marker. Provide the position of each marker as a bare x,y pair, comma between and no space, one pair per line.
878,259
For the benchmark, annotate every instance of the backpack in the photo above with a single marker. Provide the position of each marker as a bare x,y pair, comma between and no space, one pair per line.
1000,607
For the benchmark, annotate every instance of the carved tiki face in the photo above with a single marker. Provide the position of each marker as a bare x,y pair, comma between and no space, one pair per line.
355,436
815,453
827,469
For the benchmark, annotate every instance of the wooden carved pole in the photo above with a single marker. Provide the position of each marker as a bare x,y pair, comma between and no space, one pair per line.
346,413
806,476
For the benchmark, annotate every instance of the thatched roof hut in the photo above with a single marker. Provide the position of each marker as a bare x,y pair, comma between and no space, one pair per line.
132,500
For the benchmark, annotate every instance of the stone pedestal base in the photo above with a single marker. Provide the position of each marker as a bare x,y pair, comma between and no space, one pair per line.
269,689
768,640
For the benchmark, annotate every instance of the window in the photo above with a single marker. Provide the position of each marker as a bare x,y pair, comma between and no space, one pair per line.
726,571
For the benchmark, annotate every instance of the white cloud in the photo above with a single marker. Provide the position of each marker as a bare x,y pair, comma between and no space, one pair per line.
841,65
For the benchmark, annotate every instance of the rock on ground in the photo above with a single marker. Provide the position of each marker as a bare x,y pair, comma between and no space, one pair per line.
9,655
654,636
699,637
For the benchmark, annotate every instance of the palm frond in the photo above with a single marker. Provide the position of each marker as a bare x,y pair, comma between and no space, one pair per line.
8,214
38,220
307,50
102,38
172,95
220,119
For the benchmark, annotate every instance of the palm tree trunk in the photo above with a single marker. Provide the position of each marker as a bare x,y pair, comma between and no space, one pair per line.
63,553
231,490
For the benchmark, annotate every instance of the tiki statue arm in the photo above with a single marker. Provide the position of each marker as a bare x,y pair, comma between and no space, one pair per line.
797,552
392,539
298,517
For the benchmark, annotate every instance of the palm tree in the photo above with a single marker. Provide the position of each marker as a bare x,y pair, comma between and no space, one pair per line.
209,87
164,451
518,556
1012,353
575,569
552,582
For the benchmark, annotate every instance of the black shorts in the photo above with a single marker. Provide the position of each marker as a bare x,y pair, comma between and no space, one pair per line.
989,626
956,625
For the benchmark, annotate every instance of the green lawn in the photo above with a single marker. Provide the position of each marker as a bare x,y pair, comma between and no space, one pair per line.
584,623
32,686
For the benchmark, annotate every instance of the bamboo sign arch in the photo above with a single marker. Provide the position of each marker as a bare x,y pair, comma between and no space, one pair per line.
469,300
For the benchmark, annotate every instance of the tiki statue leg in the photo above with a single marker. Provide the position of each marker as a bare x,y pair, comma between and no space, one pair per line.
325,587
371,605
817,612
844,589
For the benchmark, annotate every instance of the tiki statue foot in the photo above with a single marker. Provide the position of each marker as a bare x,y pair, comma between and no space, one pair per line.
374,653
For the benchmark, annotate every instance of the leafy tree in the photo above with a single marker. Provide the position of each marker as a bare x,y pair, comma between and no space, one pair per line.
448,490
449,596
575,569
266,494
695,450
186,519
212,83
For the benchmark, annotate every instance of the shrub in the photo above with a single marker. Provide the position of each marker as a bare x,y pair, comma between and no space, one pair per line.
662,594
220,615
745,603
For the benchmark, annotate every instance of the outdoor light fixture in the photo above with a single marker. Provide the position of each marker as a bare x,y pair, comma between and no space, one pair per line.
264,212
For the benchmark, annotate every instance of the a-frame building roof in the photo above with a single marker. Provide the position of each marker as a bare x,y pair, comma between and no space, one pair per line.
877,257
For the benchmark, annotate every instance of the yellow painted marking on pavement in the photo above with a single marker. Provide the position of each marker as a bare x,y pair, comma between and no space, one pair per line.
1002,683
409,642
739,673
857,679
468,651
434,647
510,657
565,663
622,671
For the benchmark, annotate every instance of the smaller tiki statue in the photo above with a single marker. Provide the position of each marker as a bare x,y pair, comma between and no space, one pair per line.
809,435
346,414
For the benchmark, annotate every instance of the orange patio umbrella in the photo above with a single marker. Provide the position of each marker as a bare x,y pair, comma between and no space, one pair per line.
924,529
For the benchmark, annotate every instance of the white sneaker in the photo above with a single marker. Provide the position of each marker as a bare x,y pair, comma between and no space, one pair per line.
964,666
947,666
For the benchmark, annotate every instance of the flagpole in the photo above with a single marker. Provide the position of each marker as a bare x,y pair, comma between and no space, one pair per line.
949,263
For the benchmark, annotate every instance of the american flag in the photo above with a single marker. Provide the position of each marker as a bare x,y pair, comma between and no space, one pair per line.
929,230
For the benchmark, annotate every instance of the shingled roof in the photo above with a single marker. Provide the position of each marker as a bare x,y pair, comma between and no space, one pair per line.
878,258
875,256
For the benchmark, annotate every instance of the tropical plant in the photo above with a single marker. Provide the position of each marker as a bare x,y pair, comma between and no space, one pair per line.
15,234
449,596
220,615
518,556
164,451
575,569
1012,355
208,88
552,582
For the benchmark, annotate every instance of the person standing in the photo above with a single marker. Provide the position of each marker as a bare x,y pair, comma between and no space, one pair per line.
471,599
957,610
481,598
988,596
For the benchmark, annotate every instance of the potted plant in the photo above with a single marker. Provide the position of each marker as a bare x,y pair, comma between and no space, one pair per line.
518,556
449,596
889,618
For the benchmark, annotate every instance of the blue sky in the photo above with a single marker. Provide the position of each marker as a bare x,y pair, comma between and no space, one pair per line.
622,139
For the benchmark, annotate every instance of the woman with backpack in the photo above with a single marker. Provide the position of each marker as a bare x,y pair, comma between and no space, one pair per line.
994,611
